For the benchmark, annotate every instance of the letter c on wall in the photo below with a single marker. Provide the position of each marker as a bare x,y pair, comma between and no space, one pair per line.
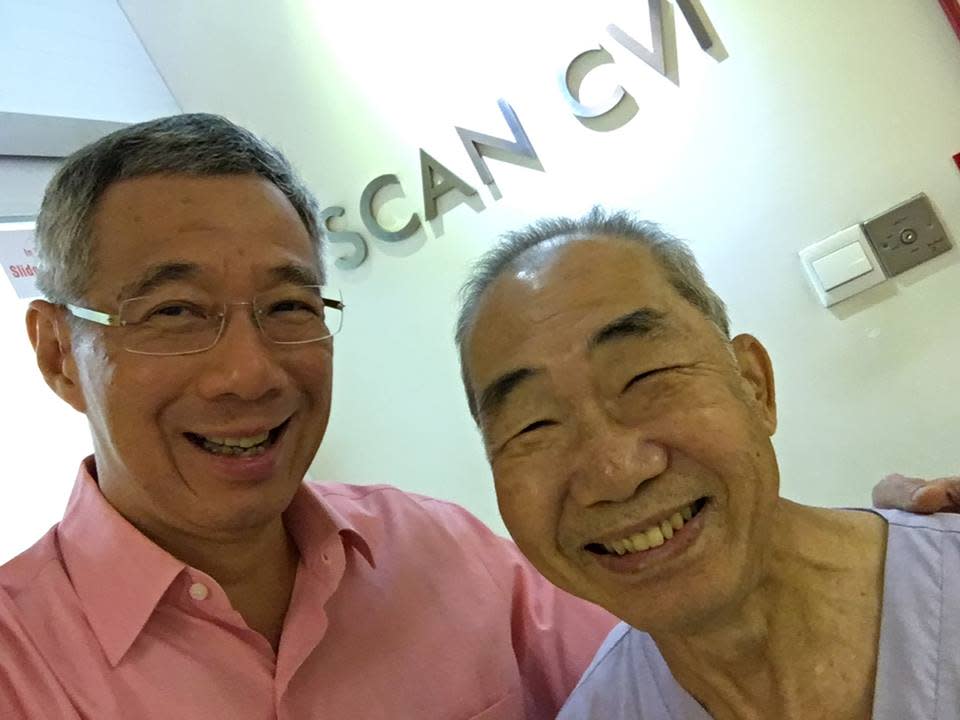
370,220
359,254
593,58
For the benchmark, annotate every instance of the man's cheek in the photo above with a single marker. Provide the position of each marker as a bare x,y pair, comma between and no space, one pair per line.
515,514
532,525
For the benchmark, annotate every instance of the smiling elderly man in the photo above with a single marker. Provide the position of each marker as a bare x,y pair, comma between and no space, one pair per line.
194,574
629,438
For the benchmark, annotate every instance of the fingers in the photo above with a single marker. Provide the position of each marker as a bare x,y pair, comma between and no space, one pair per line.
933,497
897,491
918,495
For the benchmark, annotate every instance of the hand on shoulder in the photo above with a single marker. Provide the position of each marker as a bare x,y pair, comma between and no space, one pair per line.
918,495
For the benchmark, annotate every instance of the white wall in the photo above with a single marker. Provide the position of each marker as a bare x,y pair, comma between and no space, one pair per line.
45,439
825,114
67,59
22,181
78,59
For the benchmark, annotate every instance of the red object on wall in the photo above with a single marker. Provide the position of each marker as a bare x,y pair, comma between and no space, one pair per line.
956,159
952,9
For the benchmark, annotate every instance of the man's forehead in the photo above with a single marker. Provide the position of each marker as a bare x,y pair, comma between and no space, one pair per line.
571,272
156,229
185,200
567,300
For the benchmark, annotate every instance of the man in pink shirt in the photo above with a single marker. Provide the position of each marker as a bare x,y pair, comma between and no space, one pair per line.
194,574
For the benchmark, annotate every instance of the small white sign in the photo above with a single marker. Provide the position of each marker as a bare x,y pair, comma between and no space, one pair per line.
19,258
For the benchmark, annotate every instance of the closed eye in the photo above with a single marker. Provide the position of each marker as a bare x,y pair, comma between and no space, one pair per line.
644,375
536,426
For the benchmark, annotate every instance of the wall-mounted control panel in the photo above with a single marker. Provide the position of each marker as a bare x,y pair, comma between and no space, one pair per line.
842,265
907,235
862,256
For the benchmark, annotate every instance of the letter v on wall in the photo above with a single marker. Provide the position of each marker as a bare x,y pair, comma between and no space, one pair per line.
662,26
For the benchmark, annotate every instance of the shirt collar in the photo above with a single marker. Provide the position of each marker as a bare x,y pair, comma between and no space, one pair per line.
311,520
120,575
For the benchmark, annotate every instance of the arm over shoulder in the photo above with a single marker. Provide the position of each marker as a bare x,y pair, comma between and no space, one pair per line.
555,635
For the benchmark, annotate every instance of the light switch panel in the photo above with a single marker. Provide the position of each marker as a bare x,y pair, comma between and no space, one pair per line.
842,265
907,235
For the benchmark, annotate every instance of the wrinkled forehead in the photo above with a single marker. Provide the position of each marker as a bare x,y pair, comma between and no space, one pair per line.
171,200
218,225
555,297
574,278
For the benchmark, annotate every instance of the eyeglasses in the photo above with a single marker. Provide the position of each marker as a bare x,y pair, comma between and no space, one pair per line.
159,324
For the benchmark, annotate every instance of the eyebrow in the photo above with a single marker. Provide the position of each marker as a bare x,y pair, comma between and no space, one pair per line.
295,274
157,276
496,393
640,323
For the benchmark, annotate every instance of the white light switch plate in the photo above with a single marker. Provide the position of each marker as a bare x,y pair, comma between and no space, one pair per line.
837,269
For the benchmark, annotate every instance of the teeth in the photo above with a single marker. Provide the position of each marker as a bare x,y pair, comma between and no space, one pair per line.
238,451
651,537
247,442
655,537
242,447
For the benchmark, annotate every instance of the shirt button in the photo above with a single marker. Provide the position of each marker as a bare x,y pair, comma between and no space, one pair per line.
325,557
198,591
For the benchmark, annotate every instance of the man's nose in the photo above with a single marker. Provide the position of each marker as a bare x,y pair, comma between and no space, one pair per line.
243,363
612,462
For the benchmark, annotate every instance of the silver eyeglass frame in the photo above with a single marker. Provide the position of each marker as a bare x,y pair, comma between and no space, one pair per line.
103,318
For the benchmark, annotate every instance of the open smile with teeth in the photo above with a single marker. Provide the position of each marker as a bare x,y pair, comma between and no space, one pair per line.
651,537
237,446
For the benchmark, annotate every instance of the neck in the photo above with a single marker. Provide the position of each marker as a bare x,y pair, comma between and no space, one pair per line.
804,642
235,559
256,565
257,571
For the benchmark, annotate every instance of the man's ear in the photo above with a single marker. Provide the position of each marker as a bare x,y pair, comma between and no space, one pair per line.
756,372
50,336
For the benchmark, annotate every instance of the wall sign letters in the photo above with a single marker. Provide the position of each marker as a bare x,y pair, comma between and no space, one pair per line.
436,180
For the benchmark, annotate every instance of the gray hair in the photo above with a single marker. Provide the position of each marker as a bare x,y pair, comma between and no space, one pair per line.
673,255
192,144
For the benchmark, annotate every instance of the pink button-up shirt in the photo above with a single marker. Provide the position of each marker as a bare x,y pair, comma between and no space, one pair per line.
403,607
